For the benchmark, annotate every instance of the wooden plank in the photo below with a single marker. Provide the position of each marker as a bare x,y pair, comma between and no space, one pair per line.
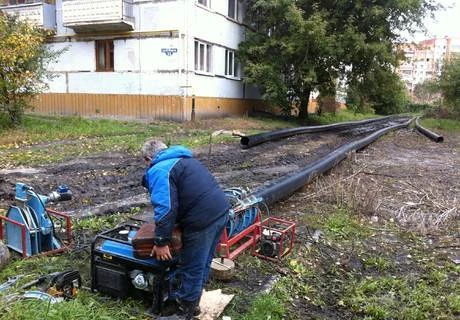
169,107
158,108
143,102
112,107
150,106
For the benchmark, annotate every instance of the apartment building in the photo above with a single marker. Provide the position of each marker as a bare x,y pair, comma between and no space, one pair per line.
425,60
155,59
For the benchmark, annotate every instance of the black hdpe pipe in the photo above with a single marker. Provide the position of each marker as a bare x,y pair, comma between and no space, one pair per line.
284,188
430,134
247,142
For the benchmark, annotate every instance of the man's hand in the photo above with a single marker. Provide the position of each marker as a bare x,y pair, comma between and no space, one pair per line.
161,253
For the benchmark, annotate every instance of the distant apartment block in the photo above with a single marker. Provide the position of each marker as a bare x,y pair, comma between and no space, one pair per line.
155,59
424,60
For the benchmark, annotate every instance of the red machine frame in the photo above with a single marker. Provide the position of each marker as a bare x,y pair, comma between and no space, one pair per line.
246,238
286,229
52,212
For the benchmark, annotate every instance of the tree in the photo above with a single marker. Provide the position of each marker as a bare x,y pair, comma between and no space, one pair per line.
24,58
285,53
450,85
379,91
366,32
427,92
295,46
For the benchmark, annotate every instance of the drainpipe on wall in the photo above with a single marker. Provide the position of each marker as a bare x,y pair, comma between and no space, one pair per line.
186,85
180,65
193,109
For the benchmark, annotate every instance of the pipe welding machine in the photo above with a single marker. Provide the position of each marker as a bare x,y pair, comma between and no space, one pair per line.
30,226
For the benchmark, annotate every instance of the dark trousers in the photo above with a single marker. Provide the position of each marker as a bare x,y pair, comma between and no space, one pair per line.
198,249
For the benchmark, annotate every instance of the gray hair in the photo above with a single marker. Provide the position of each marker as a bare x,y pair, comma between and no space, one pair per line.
152,147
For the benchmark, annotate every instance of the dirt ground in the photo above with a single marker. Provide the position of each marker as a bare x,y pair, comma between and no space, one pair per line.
110,182
406,190
403,176
403,179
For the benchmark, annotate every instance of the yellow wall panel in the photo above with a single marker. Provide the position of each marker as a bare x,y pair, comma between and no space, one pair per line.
139,106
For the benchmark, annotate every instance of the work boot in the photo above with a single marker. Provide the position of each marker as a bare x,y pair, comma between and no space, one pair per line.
170,307
197,311
174,306
188,309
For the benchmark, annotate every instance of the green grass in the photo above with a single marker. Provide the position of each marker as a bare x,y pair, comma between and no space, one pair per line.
342,224
37,129
378,262
341,116
385,287
265,307
86,306
48,139
101,223
43,140
442,124
40,265
403,298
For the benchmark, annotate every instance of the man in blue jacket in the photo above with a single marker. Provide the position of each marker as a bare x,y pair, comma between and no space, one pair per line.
184,192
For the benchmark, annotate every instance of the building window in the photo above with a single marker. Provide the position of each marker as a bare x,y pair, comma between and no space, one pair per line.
13,2
233,9
231,66
203,56
206,3
104,55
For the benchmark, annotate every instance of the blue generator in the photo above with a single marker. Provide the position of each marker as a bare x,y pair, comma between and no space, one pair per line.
117,272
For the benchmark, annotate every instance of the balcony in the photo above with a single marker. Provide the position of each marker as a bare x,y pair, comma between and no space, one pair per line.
98,15
37,12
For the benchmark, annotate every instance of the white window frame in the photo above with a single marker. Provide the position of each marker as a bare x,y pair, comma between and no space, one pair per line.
235,8
231,65
203,56
204,3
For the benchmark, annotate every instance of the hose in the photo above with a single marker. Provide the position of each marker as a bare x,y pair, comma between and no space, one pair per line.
285,187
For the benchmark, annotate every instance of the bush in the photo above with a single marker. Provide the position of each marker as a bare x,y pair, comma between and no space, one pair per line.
419,107
441,113
450,84
24,57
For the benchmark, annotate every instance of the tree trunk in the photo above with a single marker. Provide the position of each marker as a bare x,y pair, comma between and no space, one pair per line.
303,110
304,101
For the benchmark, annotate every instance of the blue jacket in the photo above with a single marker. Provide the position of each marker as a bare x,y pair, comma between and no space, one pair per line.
182,191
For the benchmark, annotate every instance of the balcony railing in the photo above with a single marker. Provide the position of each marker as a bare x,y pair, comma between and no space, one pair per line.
37,12
98,15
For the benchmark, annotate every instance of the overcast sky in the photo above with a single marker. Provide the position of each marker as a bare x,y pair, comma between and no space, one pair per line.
446,23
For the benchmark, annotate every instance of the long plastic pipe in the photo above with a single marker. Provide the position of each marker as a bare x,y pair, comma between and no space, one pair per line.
247,142
430,134
284,188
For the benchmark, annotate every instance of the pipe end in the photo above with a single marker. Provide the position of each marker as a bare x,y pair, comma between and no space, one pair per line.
244,141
